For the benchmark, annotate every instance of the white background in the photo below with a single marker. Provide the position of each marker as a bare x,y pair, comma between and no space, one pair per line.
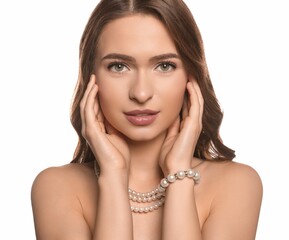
246,44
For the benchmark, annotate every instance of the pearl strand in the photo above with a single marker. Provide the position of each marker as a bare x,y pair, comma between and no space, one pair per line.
148,208
138,197
145,197
157,195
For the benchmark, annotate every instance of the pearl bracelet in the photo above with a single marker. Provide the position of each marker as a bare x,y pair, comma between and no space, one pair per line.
180,175
156,197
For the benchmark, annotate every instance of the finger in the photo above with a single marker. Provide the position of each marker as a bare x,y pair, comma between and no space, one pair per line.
194,111
88,88
87,111
98,112
190,101
91,107
200,100
99,115
193,100
84,98
196,100
185,109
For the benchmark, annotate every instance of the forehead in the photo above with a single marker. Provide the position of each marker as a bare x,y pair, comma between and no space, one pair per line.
135,34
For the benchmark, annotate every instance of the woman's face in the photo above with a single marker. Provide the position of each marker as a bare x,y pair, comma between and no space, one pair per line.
141,77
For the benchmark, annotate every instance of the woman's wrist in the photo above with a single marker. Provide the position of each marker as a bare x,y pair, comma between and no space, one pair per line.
171,178
174,168
118,178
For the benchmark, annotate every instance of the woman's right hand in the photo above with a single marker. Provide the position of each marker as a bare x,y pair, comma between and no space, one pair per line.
108,146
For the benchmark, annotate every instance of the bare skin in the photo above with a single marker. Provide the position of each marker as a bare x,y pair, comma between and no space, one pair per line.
227,191
69,202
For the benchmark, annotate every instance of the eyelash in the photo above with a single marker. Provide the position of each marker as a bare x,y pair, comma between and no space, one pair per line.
170,64
114,64
117,63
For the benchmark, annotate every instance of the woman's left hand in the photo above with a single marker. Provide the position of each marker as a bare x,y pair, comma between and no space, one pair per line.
181,139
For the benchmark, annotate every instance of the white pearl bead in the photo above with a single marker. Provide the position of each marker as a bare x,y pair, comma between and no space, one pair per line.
158,195
191,173
164,183
181,174
171,178
197,176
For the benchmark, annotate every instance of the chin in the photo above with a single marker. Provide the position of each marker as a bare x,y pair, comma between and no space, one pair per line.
143,136
139,138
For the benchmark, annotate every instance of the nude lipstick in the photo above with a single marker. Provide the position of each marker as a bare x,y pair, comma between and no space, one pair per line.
141,117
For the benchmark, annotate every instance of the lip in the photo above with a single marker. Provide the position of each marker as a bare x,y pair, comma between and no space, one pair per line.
141,117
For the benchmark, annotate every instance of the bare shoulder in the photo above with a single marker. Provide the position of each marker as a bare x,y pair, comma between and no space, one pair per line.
236,195
68,182
63,175
240,175
233,177
58,195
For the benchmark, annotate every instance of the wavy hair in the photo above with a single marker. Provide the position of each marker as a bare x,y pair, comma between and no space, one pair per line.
180,23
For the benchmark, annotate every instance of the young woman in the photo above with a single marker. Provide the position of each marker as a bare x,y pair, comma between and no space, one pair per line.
150,163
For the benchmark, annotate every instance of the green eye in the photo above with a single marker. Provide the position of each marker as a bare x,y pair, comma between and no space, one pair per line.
166,67
117,67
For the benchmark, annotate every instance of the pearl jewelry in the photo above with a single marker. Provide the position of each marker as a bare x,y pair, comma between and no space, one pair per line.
157,195
195,175
181,174
145,197
171,178
148,208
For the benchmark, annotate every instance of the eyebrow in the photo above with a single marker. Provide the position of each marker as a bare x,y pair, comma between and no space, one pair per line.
132,59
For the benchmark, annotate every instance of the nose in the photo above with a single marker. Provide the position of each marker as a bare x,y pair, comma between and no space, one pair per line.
141,88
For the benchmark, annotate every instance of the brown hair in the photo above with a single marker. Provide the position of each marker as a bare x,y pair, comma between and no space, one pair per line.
177,18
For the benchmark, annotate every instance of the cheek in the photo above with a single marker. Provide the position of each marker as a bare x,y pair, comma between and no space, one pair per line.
105,90
107,100
111,99
174,96
109,107
176,100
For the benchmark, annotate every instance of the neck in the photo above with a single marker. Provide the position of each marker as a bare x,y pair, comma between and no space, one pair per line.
145,172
